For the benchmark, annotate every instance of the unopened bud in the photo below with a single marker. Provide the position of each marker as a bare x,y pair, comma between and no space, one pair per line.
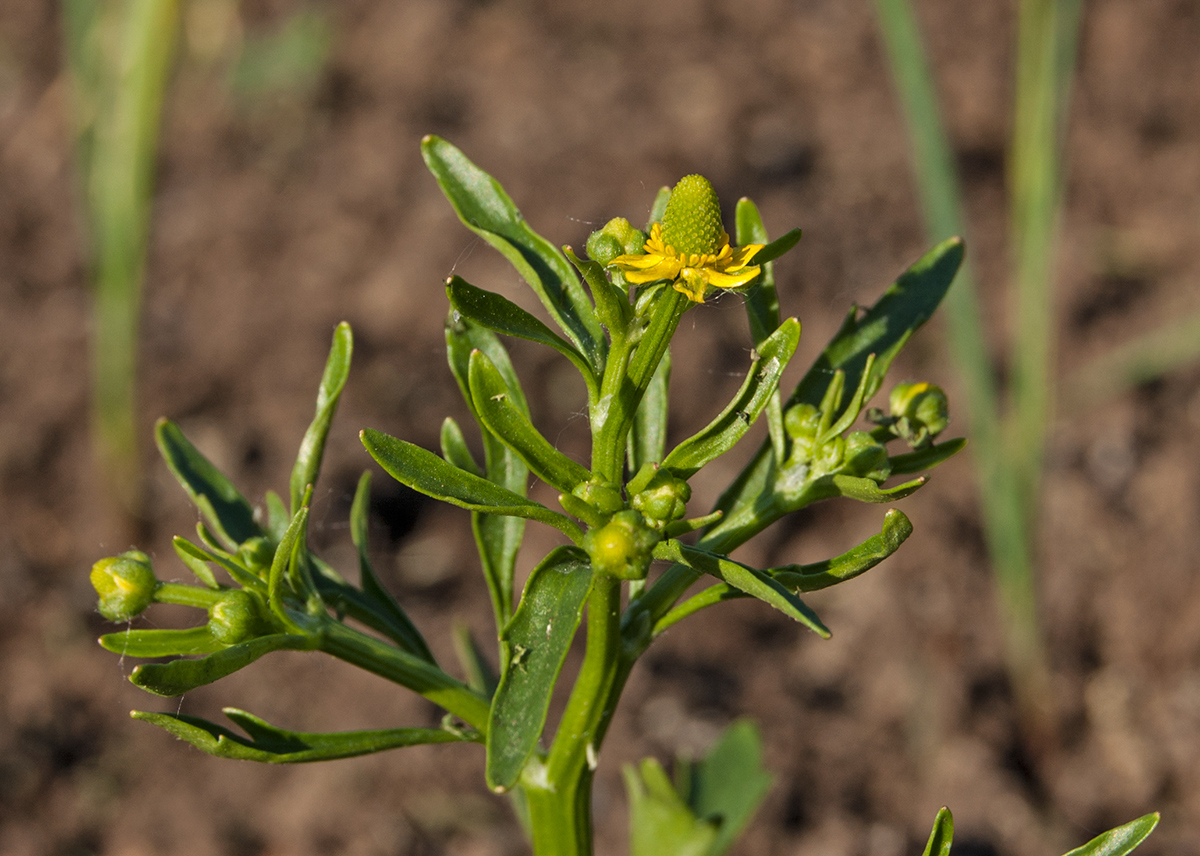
921,411
617,238
605,497
623,547
866,457
664,499
256,554
125,584
235,617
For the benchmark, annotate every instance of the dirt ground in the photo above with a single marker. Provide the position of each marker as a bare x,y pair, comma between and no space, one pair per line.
279,216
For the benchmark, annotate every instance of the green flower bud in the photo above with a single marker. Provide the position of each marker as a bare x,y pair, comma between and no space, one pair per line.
865,457
125,584
623,547
605,497
801,421
921,411
617,238
692,222
828,457
663,500
236,617
256,554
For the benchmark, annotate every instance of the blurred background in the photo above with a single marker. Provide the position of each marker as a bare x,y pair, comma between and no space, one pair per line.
289,194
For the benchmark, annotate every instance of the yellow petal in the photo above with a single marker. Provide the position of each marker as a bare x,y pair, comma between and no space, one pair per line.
742,255
638,262
737,280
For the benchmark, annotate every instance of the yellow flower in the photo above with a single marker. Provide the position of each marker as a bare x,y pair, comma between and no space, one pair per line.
690,248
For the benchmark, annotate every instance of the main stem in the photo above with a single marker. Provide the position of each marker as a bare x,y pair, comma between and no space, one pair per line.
560,797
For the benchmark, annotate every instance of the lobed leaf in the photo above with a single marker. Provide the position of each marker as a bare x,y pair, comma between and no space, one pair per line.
225,509
538,637
426,473
487,210
181,676
489,393
720,435
271,745
312,447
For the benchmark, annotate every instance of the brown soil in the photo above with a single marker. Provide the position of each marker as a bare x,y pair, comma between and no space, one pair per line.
278,217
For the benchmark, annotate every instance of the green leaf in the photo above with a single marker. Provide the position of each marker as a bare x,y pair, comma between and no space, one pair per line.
489,393
660,822
271,745
926,459
454,448
735,420
942,835
728,784
538,637
487,210
648,434
180,676
752,581
161,643
312,447
907,304
658,207
225,509
398,625
196,565
501,315
762,303
498,538
277,516
194,557
776,248
868,554
426,473
481,677
851,487
1119,841
612,302
283,567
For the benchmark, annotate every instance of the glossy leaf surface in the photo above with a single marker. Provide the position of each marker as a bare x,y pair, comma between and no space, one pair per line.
180,676
161,643
538,636
868,554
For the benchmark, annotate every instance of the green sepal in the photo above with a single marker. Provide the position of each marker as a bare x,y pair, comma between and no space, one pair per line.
501,315
926,459
312,447
284,568
720,435
199,567
756,583
489,212
225,509
1121,840
660,822
728,784
161,643
180,676
538,638
868,554
942,835
271,745
489,394
426,473
398,625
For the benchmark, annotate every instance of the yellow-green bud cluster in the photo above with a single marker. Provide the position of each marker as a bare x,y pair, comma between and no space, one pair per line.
617,238
125,584
603,496
692,222
663,500
920,411
237,616
623,547
858,453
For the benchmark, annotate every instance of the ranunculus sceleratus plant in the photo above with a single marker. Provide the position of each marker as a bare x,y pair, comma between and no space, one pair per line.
633,550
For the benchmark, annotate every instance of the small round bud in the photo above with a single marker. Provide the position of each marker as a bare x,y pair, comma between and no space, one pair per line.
828,457
921,411
605,497
692,222
865,457
801,421
617,238
664,499
623,547
256,554
125,584
235,617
